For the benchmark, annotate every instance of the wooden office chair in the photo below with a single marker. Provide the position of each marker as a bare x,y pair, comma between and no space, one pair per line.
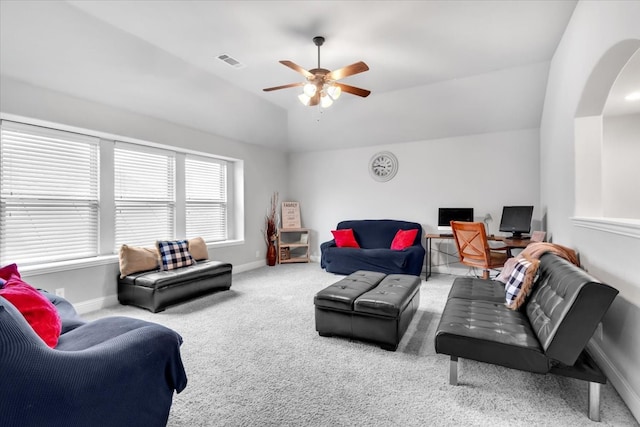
473,247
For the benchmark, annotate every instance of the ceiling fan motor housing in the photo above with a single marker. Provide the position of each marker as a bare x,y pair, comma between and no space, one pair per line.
318,75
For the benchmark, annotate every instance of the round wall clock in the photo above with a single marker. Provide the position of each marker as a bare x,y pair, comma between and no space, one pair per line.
383,166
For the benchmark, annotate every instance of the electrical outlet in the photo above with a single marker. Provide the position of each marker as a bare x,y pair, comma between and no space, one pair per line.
60,292
257,254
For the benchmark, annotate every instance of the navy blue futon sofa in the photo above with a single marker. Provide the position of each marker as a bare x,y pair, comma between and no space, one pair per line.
375,254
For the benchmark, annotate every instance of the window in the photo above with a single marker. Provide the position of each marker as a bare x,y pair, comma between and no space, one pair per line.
206,198
48,194
144,195
72,194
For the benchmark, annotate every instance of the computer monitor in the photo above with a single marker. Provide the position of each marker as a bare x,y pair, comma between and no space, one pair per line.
446,215
516,220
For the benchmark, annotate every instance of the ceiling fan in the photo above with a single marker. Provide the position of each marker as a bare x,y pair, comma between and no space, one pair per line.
321,86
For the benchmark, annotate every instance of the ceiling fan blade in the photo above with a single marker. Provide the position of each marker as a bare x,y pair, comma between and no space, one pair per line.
296,67
349,70
353,90
269,89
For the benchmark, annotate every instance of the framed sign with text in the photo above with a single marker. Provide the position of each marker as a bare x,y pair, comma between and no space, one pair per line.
291,215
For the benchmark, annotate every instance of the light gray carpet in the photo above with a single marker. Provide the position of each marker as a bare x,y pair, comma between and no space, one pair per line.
253,358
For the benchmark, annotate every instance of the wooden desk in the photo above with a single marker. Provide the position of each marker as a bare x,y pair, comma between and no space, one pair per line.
509,243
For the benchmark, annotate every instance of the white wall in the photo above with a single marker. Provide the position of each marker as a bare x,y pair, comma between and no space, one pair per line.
588,164
485,171
620,156
595,27
265,171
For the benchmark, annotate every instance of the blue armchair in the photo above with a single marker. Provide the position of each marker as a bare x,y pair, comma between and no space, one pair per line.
374,237
113,371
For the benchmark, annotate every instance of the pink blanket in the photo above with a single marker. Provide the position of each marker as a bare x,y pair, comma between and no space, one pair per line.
535,251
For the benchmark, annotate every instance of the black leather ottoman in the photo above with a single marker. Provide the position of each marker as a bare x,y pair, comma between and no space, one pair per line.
156,290
368,306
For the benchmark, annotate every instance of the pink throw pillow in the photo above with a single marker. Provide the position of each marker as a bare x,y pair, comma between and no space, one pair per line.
404,239
345,238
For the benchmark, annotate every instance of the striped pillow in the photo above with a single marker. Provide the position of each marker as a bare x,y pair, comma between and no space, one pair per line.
174,254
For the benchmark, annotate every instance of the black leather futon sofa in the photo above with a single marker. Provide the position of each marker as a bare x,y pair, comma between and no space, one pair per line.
548,334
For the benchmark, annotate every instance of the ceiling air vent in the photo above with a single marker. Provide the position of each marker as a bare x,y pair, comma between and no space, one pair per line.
231,61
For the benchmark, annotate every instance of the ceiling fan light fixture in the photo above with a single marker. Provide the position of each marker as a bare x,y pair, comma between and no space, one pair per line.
333,91
304,98
310,89
325,100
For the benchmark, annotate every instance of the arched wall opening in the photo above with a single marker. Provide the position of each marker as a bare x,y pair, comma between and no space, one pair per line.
607,144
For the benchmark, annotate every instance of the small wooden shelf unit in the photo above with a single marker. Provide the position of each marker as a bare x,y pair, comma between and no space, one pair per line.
293,245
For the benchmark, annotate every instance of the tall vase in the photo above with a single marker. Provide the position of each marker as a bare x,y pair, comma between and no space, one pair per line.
271,254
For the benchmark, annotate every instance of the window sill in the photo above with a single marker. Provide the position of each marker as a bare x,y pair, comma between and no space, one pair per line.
225,243
75,264
622,226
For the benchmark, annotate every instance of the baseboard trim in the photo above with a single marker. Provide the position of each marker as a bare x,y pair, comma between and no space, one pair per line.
249,266
622,386
88,306
455,269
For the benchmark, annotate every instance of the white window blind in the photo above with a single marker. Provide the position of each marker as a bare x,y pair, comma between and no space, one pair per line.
48,194
144,195
206,198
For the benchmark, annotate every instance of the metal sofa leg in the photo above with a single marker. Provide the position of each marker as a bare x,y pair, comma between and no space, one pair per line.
594,401
453,370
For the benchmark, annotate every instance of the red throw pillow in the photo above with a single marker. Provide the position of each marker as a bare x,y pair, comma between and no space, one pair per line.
404,239
9,270
345,238
37,310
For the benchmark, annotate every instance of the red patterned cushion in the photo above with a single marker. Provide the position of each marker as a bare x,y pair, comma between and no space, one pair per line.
345,238
404,239
37,310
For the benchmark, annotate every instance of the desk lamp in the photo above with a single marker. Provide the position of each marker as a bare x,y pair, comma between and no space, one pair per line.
487,219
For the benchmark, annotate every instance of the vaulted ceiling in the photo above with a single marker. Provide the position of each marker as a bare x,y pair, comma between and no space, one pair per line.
437,68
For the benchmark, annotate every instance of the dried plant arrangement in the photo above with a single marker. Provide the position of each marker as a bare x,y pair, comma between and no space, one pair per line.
271,220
